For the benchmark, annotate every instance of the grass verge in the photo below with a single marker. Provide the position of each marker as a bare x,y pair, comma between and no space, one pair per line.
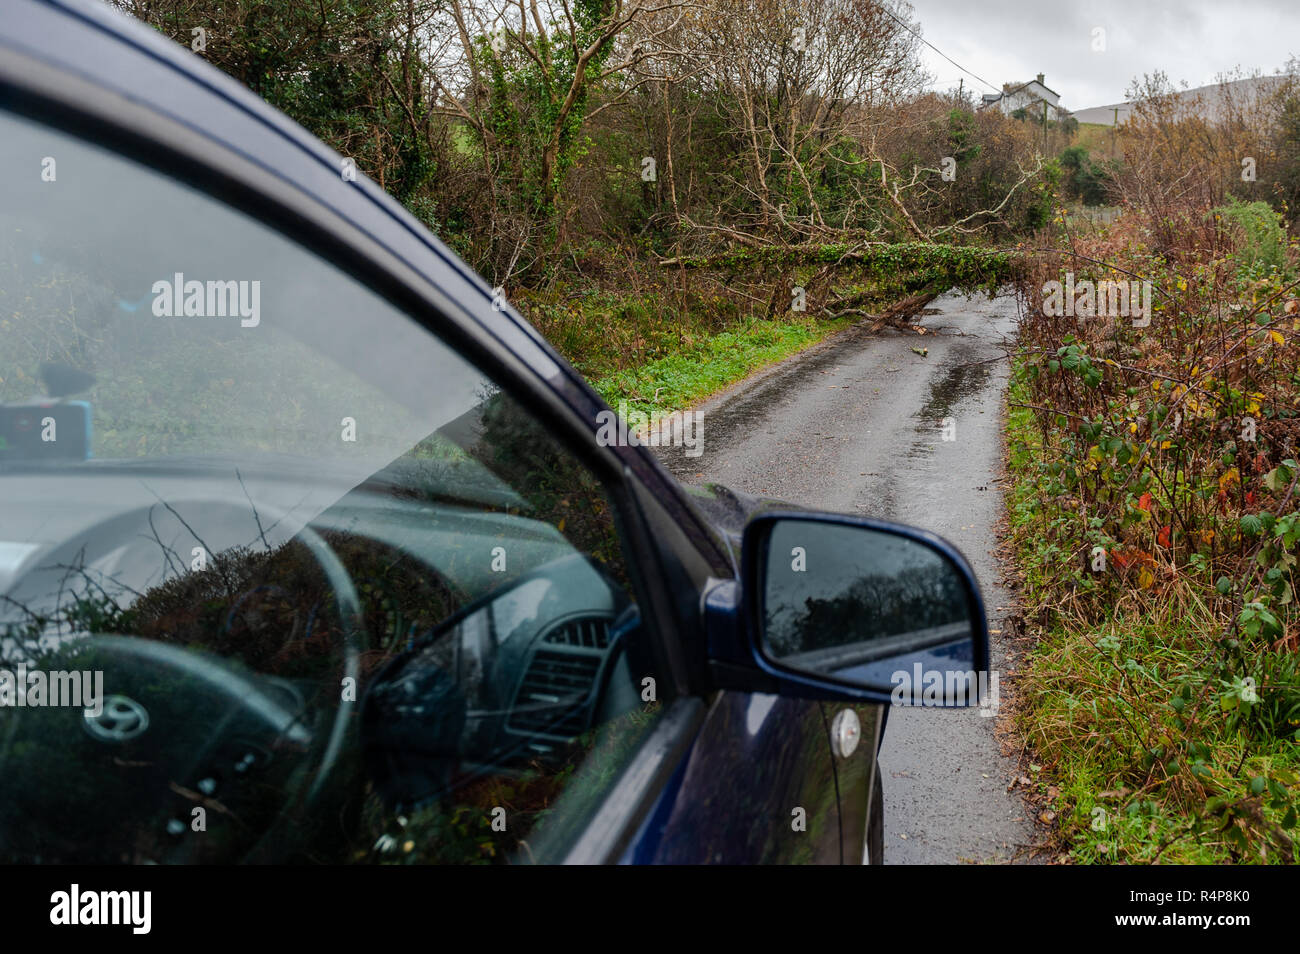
680,380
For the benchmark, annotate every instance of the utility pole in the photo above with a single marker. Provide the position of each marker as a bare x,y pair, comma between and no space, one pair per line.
961,84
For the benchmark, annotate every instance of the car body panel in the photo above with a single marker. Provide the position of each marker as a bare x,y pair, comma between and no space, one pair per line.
758,786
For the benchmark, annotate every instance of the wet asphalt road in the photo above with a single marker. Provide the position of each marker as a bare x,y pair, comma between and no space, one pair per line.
854,425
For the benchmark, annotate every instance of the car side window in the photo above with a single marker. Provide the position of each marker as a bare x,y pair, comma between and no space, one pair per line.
495,733
346,599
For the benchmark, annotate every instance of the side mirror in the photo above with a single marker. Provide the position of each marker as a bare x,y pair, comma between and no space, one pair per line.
854,609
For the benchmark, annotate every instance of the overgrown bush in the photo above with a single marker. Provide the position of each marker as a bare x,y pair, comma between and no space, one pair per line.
1157,516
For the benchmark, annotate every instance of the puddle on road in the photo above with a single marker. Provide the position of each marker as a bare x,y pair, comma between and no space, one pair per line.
958,382
964,378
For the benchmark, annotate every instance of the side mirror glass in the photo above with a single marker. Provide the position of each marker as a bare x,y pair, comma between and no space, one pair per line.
869,605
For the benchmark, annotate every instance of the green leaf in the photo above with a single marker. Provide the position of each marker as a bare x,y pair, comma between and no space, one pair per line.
1278,479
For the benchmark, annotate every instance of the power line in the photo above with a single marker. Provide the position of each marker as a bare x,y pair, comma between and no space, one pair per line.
937,50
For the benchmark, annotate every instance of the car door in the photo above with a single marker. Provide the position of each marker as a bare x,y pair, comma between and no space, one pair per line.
760,783
104,91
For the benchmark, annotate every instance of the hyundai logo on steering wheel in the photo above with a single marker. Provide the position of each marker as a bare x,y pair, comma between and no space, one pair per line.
122,719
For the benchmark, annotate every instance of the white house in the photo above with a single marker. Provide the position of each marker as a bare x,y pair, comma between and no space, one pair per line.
1027,96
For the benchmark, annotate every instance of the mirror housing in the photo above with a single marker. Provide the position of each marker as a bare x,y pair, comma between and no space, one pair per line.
849,609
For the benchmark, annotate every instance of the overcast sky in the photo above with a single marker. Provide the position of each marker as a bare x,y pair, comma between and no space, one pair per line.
1005,40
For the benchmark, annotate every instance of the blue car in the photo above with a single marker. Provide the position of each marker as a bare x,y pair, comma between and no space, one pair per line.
313,550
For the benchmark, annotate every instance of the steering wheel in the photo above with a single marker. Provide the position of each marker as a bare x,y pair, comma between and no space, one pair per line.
187,757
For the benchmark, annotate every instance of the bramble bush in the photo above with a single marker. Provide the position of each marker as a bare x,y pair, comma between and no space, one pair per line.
1157,514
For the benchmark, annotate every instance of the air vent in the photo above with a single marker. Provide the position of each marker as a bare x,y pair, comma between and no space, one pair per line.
591,632
554,694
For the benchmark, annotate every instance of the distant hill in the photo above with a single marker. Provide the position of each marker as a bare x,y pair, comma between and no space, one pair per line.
1212,98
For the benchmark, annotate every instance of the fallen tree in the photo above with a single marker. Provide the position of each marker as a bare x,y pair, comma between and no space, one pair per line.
838,279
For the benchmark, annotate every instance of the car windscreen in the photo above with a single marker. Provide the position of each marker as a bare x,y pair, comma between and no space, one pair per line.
205,332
